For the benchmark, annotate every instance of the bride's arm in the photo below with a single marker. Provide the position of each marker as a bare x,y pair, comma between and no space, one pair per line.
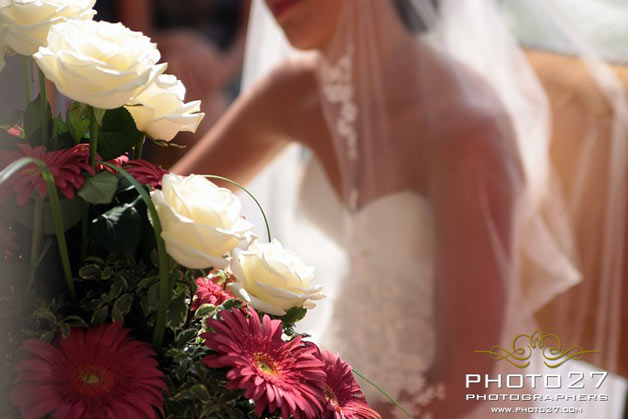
474,182
254,129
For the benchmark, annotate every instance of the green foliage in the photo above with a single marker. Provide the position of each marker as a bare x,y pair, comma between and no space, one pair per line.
77,121
32,122
61,138
118,134
117,229
294,315
196,391
177,310
200,392
70,214
99,189
115,285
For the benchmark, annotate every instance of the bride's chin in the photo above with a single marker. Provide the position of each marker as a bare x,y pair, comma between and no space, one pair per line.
308,24
303,40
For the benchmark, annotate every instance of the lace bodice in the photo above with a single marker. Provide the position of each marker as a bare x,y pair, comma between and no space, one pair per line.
383,319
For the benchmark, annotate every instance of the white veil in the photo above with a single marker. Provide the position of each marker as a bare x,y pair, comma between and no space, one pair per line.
568,117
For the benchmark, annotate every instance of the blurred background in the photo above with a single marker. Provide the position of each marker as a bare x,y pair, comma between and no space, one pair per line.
204,43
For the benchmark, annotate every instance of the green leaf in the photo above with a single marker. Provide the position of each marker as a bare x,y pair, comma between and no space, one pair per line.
185,336
115,290
99,189
200,392
144,305
45,315
204,310
65,330
59,125
95,259
60,138
100,315
146,282
32,122
230,304
118,134
294,315
70,214
90,272
48,336
90,304
177,310
77,121
107,273
118,229
123,305
75,321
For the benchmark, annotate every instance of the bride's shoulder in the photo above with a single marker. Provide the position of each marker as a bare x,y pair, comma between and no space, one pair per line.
472,138
277,100
291,78
466,113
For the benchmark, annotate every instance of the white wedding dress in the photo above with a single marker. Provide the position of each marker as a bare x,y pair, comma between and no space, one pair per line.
380,312
383,315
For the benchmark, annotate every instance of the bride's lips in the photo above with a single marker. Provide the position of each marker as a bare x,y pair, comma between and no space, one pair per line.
281,7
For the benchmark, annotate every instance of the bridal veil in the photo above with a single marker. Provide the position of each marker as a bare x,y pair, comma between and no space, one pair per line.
555,89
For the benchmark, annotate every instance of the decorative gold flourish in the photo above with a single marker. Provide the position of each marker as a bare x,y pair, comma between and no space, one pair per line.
523,347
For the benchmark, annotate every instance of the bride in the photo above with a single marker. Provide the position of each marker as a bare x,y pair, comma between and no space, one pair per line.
430,168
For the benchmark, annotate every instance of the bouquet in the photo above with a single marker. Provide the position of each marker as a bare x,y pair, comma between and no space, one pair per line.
128,291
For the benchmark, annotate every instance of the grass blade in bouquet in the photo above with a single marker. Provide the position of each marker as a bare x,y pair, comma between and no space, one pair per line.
270,237
164,282
51,188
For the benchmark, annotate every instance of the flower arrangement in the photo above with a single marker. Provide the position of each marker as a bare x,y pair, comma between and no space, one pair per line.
128,291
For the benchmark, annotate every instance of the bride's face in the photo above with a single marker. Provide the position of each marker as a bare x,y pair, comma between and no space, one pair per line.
308,24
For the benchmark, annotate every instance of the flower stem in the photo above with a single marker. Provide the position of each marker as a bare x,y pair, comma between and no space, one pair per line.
84,229
36,236
44,106
137,151
94,130
27,77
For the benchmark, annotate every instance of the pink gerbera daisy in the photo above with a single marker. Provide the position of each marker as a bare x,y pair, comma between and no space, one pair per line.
145,172
65,165
119,161
344,398
95,373
208,292
276,375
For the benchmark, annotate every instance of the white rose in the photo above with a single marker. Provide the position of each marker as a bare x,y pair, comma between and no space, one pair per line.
159,110
272,279
24,24
101,64
200,221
